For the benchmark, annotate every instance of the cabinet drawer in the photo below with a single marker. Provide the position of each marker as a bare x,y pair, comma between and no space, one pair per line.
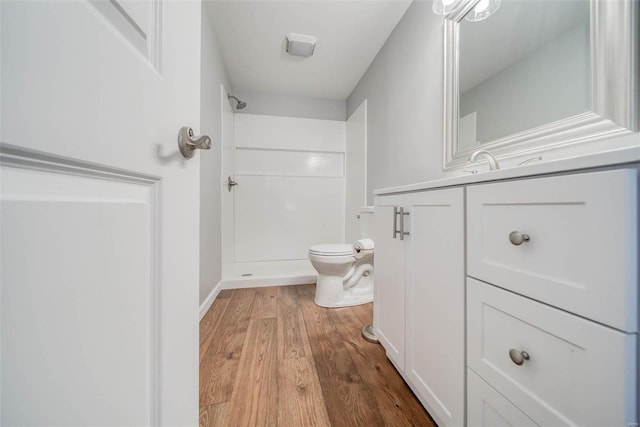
488,408
578,372
581,255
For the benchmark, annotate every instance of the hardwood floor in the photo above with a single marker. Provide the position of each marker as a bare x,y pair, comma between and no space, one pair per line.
270,356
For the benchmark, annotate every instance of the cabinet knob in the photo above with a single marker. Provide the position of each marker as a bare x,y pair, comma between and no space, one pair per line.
518,357
517,238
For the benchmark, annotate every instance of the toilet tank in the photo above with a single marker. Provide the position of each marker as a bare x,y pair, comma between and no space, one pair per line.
365,221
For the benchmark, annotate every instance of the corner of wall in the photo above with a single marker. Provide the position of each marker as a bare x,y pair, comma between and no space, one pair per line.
206,304
405,103
213,74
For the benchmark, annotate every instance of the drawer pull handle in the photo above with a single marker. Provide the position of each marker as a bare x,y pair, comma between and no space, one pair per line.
396,212
517,238
518,357
402,232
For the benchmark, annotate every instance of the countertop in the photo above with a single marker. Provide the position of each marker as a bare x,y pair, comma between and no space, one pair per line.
608,158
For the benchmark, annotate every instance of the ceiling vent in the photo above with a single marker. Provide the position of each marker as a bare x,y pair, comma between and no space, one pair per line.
300,44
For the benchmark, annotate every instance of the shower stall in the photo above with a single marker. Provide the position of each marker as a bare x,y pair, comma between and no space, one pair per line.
286,181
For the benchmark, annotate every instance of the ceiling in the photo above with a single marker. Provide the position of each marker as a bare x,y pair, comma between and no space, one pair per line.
350,33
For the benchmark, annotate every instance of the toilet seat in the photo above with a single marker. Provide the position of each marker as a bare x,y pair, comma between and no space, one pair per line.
334,249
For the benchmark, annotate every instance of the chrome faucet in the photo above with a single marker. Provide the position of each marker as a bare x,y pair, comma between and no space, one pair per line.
493,163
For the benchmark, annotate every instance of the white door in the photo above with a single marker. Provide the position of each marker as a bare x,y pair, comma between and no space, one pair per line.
99,213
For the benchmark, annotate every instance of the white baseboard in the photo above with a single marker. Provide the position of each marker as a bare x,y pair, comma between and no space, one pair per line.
270,281
206,304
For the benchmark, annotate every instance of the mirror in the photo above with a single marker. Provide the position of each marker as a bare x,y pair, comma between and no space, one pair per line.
538,74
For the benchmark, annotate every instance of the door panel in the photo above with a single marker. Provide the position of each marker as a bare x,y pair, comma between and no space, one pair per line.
138,21
99,213
77,289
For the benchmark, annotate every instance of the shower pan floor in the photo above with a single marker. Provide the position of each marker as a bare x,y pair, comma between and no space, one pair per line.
269,273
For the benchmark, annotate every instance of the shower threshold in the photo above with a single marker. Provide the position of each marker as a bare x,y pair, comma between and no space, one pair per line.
268,273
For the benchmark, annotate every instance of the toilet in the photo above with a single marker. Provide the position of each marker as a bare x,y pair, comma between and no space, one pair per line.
345,271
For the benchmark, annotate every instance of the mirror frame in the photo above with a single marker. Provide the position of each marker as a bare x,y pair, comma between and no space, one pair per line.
614,87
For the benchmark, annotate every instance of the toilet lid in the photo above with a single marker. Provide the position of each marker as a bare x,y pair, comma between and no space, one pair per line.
332,249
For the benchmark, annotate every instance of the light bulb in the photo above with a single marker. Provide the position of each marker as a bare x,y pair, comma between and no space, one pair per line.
444,7
481,6
482,10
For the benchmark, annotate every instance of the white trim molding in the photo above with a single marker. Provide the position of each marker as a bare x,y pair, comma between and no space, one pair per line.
614,88
251,283
269,281
143,189
208,301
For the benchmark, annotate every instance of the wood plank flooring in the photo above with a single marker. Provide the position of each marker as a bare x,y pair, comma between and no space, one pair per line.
270,356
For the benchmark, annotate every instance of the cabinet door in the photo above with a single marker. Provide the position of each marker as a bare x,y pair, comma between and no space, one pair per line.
435,299
388,306
488,408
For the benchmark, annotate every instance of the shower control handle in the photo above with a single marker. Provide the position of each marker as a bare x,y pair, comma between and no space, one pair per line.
230,183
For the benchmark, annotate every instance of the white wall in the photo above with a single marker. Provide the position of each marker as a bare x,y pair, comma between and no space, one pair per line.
355,171
290,193
291,106
403,87
404,91
228,170
213,73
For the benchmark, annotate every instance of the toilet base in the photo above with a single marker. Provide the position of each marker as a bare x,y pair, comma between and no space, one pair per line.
349,301
330,292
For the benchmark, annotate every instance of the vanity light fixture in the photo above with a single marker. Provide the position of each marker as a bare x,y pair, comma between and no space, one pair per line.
444,7
483,10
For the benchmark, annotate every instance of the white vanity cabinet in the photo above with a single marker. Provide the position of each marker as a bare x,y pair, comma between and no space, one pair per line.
537,319
581,253
552,298
419,295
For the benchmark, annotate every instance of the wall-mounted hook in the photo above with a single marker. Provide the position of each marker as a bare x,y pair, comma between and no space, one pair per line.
189,144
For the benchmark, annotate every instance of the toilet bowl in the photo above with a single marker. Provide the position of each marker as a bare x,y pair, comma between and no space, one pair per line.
345,275
343,280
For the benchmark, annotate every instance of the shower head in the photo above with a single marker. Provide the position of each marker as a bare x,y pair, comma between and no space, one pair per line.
239,104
